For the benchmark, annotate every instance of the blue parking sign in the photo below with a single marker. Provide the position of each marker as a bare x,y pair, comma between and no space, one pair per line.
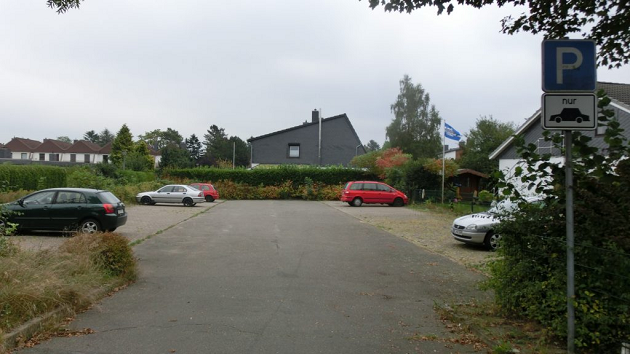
568,65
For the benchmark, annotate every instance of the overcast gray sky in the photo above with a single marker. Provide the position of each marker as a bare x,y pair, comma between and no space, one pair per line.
255,67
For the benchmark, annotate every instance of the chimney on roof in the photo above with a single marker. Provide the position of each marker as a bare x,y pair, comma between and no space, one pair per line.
315,116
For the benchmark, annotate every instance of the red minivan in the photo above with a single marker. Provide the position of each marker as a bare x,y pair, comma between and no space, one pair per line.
356,193
209,192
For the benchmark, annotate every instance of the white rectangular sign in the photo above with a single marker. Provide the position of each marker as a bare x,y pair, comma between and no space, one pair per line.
569,111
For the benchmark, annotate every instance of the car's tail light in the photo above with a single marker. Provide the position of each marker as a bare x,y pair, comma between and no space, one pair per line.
109,209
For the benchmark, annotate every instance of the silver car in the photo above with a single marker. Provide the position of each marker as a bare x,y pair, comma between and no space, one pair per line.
478,228
172,193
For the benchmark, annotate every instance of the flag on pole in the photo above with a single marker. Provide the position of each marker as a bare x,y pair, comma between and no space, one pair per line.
451,133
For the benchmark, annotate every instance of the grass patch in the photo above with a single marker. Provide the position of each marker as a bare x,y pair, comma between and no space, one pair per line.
485,323
83,269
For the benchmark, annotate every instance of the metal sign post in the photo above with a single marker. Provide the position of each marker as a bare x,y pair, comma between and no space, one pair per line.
568,139
569,77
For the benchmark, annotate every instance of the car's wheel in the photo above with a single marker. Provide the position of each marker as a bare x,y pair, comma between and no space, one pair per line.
209,199
558,120
398,202
357,202
89,226
188,202
146,200
579,120
492,241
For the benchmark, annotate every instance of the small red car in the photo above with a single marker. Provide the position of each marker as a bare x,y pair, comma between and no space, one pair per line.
209,192
356,193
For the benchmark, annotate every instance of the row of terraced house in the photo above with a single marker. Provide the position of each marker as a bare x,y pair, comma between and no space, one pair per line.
50,151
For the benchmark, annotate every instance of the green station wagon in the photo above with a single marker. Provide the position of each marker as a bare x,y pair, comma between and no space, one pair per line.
66,209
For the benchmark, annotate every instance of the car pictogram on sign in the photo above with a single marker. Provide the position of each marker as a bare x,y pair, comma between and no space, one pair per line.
570,115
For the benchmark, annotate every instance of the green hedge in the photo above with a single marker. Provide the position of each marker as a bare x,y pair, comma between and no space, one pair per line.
272,177
32,177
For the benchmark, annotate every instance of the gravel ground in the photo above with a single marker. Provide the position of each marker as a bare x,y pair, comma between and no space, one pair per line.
430,230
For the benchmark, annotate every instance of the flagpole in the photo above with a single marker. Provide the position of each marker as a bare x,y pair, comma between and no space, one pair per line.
443,153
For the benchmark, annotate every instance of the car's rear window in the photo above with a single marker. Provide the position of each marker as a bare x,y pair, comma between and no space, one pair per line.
108,197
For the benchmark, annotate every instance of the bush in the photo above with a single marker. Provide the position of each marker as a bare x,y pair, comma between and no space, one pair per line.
485,196
530,278
85,177
109,252
273,176
413,176
286,190
116,256
32,177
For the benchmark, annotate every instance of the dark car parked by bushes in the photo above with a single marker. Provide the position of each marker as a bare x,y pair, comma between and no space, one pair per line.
66,209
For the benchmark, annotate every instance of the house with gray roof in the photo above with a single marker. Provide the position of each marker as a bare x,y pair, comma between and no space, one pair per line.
321,142
532,130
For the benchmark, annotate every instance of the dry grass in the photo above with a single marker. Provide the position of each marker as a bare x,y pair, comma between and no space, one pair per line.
34,283
483,321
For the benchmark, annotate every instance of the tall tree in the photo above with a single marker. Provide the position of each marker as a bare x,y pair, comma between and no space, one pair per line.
372,146
174,156
605,21
241,150
217,144
122,145
481,141
193,145
416,124
91,136
159,139
105,137
139,159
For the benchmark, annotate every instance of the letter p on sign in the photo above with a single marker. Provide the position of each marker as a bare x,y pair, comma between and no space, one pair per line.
561,65
569,65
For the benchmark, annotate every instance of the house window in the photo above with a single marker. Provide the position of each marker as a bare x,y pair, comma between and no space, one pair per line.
53,157
86,158
42,157
294,150
24,156
105,158
73,157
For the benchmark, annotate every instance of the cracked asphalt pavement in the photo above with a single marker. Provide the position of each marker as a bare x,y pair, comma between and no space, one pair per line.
275,277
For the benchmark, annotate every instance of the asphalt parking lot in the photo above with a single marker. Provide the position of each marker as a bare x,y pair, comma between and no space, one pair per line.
142,222
429,230
269,276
